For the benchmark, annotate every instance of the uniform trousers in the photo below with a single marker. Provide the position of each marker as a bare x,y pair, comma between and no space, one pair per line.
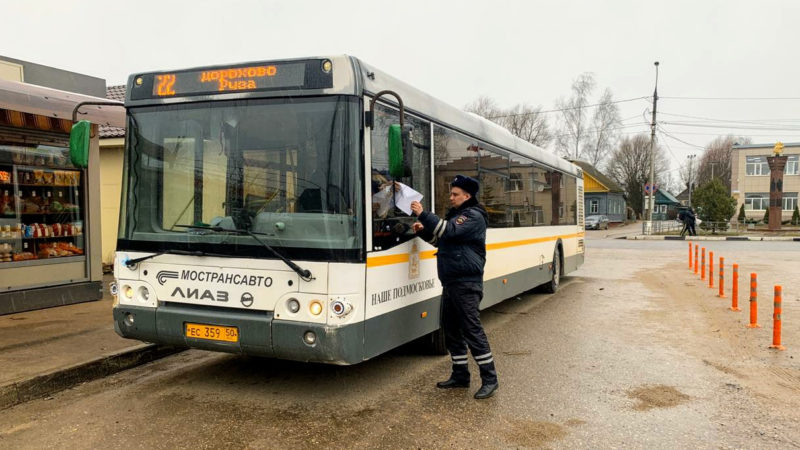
462,330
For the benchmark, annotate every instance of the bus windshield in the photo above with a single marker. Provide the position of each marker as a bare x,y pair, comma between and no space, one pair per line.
286,168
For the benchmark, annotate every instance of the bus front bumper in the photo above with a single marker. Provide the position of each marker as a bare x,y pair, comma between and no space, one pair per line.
259,333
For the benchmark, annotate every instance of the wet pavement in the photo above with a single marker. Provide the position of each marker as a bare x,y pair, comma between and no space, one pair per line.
634,351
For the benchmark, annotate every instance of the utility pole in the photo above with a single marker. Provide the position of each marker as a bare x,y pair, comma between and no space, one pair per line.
651,202
691,177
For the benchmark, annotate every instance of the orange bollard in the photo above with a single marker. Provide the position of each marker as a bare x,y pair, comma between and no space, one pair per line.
721,277
703,265
711,269
776,320
735,289
696,250
690,256
753,303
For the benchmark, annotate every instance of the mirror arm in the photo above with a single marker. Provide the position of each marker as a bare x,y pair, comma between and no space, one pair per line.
75,110
371,113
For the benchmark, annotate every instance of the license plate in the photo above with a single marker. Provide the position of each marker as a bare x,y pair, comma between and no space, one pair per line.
212,332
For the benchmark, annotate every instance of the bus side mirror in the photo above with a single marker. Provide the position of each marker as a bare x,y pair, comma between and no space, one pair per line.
401,145
79,143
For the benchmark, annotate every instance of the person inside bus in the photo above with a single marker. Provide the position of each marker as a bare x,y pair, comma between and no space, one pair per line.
461,239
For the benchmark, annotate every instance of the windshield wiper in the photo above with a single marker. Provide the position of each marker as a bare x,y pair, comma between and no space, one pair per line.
305,274
132,262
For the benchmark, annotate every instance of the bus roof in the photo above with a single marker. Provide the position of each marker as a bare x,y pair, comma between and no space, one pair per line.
476,126
352,76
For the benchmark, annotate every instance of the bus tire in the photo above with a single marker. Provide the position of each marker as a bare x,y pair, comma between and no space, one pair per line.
434,343
555,276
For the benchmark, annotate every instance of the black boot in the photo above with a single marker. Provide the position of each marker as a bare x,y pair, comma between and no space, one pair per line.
487,390
452,383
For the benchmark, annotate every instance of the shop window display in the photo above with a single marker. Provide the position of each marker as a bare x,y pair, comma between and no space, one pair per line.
41,205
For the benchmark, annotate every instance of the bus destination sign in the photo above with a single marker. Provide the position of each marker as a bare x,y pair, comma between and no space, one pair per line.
257,77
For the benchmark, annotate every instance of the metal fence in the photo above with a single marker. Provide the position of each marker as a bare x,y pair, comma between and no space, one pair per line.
673,226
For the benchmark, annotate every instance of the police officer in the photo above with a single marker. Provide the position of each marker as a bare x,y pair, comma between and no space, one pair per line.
461,238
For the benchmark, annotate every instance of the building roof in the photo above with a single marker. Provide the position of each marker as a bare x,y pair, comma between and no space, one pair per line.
669,197
771,145
597,175
684,195
42,101
116,93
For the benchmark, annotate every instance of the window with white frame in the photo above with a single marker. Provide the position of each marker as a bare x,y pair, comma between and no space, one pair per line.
663,209
789,201
757,201
514,182
792,165
756,166
594,206
538,215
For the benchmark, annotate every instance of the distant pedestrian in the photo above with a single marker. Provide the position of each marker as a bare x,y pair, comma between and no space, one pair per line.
461,239
690,220
683,219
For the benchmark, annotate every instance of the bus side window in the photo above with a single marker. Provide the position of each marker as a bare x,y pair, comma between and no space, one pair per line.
454,154
390,225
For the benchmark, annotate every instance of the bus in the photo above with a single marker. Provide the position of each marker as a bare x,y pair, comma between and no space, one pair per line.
251,219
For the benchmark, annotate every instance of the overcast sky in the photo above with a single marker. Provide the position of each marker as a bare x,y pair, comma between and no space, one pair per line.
513,51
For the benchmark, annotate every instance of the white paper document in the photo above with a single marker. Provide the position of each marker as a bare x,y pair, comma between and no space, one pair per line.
403,197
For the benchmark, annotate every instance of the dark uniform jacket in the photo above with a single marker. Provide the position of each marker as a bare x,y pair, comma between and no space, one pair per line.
461,239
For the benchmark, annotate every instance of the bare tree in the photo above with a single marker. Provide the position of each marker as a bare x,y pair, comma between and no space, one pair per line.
603,135
717,159
523,121
630,167
528,123
688,174
485,107
574,130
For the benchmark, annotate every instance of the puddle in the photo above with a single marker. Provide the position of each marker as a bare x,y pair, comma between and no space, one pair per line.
658,396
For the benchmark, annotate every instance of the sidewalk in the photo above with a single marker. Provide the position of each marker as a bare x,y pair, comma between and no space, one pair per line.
662,237
52,349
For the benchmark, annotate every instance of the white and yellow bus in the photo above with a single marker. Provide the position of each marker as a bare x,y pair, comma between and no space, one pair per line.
248,223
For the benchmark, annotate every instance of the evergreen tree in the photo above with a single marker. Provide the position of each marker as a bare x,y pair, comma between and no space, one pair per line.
714,204
796,216
742,217
766,216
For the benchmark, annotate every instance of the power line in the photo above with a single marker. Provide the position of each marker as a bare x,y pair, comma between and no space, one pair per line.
721,134
756,121
731,98
730,127
566,109
678,139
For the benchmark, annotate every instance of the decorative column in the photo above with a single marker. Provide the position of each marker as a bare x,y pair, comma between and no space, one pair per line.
776,165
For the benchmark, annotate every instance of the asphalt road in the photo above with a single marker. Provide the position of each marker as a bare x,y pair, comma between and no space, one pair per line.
633,352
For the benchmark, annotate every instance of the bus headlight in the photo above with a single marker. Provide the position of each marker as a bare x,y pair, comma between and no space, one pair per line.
310,338
144,294
127,291
293,305
315,307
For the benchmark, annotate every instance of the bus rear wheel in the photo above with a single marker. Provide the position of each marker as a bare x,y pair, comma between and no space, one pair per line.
555,276
433,343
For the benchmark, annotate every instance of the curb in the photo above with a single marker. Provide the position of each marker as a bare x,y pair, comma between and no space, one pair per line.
60,379
712,238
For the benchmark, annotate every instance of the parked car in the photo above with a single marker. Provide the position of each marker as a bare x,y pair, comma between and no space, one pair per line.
597,222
